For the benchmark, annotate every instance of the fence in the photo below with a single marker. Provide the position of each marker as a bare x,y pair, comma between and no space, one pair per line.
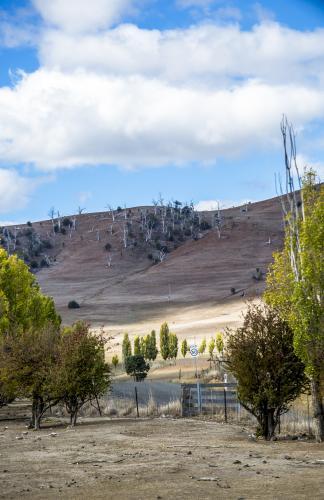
209,399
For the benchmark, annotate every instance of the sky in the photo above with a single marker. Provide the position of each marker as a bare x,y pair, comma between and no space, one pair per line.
111,102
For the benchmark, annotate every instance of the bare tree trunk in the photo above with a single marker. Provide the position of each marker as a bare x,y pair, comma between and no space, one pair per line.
318,408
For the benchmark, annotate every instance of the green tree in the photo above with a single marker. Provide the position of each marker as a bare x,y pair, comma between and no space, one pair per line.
31,360
82,373
126,347
137,346
137,367
184,348
261,356
22,305
24,311
211,348
295,285
164,341
151,351
202,347
219,343
173,346
115,361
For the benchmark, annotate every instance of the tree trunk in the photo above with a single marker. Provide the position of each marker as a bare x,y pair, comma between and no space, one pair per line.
75,416
318,408
34,413
272,424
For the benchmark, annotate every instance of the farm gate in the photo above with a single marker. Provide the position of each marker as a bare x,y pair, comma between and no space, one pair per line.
209,399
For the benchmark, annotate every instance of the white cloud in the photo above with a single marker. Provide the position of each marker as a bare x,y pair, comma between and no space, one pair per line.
4,223
82,15
84,196
304,161
205,54
55,120
15,190
207,205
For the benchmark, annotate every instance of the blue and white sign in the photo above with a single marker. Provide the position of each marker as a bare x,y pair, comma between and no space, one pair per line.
193,350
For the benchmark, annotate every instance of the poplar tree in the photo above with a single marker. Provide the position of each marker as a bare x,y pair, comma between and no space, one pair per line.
295,286
164,341
184,348
137,346
173,346
126,347
202,347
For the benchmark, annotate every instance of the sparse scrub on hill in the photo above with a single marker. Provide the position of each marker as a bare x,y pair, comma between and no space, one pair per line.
73,304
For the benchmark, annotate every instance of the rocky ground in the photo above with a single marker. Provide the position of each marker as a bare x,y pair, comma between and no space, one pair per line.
158,458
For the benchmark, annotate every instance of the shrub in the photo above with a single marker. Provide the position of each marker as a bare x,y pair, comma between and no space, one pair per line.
66,222
204,225
261,357
73,304
108,247
233,290
29,224
136,367
63,230
43,263
34,264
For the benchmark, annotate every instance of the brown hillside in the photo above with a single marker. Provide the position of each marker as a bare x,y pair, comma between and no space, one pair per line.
133,294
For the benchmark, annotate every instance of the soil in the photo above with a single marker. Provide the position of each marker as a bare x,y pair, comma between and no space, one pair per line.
191,289
158,458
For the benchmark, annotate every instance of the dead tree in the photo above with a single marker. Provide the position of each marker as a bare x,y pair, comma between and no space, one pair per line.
51,214
80,210
294,215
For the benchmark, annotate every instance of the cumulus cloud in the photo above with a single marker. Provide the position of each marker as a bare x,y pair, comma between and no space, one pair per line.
15,190
207,205
303,161
82,15
206,54
54,119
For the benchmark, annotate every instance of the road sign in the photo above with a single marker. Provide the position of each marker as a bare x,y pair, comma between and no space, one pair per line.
193,350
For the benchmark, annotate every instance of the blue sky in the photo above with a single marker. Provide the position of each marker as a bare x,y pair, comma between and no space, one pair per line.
135,97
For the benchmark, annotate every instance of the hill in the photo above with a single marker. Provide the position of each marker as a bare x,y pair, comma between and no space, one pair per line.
124,290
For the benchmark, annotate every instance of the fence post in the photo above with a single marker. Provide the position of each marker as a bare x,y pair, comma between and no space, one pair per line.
225,406
199,397
136,399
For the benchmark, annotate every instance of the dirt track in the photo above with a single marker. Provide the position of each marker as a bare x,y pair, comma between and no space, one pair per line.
155,459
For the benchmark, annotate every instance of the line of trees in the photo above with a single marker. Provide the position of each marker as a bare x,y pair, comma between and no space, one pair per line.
39,359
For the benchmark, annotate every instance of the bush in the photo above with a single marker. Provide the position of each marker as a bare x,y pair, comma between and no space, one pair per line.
63,230
73,304
136,367
261,357
47,244
233,290
43,263
108,247
29,224
204,225
66,222
34,264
